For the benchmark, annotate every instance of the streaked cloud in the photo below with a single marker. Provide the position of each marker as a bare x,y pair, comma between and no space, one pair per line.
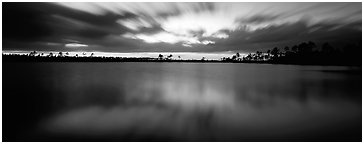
178,26
134,24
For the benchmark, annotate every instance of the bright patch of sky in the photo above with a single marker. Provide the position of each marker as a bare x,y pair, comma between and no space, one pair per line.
75,45
135,24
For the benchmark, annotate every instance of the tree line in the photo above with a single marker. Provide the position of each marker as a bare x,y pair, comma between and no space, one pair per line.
304,53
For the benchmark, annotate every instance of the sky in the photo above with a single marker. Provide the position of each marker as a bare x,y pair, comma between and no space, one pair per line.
177,27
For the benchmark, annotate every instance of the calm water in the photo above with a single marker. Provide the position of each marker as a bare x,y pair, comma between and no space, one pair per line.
180,102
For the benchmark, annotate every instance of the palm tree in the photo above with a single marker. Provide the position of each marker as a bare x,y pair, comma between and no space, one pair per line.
295,48
275,52
60,54
249,56
286,48
327,48
233,57
170,56
259,55
238,56
311,45
33,53
160,56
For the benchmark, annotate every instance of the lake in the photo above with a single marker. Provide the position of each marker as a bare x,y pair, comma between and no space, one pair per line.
180,102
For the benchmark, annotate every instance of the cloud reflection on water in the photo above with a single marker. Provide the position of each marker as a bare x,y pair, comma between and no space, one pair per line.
193,102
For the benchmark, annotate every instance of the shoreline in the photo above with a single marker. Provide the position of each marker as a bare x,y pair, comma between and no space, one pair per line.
25,58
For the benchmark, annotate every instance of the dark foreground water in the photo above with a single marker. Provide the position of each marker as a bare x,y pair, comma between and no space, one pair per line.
180,102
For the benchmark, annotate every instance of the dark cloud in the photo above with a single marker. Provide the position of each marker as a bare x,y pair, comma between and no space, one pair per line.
91,26
278,33
32,25
22,21
293,33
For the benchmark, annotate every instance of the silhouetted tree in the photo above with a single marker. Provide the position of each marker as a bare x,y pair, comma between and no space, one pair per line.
160,56
286,48
306,48
233,57
266,57
294,48
327,48
258,55
238,56
170,56
33,53
249,57
275,52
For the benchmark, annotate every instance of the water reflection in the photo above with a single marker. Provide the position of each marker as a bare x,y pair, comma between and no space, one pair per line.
200,102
